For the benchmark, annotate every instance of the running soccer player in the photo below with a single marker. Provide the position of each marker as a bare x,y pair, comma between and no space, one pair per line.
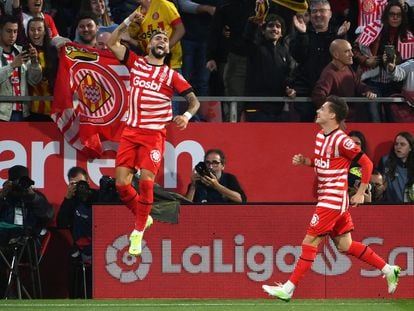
334,152
152,85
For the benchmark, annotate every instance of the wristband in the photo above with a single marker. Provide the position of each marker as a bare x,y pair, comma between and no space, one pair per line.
188,115
127,21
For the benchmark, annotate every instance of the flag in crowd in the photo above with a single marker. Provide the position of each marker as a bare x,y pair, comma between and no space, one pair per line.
90,98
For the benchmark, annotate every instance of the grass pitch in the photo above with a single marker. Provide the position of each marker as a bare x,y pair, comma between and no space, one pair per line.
210,305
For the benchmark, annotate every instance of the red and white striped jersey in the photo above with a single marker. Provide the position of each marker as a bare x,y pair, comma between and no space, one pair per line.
151,91
332,159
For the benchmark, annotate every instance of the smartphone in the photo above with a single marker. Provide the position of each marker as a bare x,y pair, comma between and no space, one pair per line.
390,52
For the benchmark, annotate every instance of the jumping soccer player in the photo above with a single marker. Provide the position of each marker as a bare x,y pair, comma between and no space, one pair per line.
334,152
143,138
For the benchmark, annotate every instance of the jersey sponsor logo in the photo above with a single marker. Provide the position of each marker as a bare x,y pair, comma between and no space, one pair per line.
124,267
155,155
321,163
151,85
349,143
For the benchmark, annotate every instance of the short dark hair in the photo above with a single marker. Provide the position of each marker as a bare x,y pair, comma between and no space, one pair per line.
275,18
75,171
339,106
217,151
8,19
87,15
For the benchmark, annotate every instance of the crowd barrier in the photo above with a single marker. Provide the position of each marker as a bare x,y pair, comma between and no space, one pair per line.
230,251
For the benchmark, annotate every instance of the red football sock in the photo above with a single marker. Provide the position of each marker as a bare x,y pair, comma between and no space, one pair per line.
366,254
144,204
128,196
305,262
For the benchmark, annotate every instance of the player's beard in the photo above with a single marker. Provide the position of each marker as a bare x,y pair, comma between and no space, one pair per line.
156,54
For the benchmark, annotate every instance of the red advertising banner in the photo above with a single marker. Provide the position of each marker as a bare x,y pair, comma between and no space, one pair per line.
229,251
259,154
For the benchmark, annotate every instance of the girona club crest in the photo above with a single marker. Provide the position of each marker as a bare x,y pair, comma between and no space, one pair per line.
369,6
99,97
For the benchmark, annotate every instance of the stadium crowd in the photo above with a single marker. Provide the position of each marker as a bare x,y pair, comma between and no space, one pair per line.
258,48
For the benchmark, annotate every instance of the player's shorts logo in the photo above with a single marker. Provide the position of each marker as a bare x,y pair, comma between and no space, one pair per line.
124,267
315,220
155,155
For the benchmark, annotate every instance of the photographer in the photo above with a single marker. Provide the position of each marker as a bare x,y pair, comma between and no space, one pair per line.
75,213
209,183
23,210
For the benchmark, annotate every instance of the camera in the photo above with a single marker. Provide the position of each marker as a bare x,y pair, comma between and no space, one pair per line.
82,191
202,169
22,184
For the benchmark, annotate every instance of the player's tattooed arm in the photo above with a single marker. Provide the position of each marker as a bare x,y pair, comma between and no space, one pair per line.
193,103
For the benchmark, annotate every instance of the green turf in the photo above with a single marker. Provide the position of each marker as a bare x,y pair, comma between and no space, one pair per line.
210,305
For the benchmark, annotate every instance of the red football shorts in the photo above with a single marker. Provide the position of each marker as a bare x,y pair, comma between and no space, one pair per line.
141,148
330,221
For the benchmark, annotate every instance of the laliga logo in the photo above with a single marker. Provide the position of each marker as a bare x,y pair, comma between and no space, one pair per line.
334,262
124,267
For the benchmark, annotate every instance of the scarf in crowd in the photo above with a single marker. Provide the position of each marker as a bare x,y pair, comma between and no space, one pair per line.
372,31
369,11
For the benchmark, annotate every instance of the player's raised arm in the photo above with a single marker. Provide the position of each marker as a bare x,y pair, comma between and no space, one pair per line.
114,42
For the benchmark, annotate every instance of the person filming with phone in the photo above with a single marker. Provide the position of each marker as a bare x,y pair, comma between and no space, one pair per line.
18,69
210,184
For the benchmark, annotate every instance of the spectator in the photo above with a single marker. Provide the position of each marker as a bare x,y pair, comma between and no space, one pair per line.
217,50
379,187
100,11
218,186
120,9
18,69
269,68
87,27
338,78
392,31
102,40
75,214
33,8
310,48
398,168
99,8
355,173
399,72
197,16
231,21
48,59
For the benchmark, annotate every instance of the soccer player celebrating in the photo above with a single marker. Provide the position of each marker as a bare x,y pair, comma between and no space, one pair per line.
152,85
334,152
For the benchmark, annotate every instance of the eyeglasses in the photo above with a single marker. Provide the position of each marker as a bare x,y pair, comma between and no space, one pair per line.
322,11
214,162
394,14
